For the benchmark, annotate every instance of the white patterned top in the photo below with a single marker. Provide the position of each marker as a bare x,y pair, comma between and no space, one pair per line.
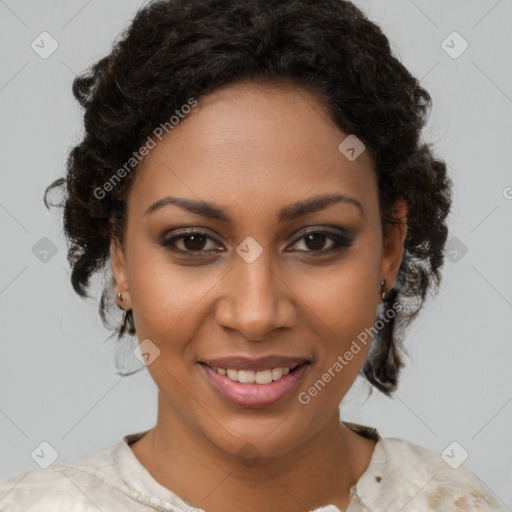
401,477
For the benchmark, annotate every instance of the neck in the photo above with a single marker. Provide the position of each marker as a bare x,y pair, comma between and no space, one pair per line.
315,473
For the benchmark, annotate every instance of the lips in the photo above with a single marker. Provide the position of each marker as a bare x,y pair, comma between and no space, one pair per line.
254,395
255,364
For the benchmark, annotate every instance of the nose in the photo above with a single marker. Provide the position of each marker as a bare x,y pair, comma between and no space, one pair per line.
255,300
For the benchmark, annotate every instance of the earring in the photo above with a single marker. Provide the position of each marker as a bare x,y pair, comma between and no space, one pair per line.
123,321
383,294
119,295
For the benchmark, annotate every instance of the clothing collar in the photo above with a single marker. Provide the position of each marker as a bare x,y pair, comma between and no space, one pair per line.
138,478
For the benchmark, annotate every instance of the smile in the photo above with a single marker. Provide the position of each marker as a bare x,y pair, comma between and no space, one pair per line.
254,388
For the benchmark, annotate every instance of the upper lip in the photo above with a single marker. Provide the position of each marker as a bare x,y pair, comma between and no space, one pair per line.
255,364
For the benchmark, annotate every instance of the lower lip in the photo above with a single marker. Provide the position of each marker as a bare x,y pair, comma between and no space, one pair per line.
254,395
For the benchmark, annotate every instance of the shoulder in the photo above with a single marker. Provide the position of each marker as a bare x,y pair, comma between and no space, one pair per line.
429,480
43,490
81,485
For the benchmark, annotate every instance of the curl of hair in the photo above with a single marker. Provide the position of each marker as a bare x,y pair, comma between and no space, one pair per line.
175,50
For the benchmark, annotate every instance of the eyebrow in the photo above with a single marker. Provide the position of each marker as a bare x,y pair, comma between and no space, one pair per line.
290,212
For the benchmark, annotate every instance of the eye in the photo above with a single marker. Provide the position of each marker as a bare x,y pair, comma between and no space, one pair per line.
315,241
188,242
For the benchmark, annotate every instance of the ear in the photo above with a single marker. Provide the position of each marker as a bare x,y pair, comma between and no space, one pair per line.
393,249
119,272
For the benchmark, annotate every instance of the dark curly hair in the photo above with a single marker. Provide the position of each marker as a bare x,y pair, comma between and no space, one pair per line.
175,50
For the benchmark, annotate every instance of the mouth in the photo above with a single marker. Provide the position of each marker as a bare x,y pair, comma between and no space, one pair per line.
253,388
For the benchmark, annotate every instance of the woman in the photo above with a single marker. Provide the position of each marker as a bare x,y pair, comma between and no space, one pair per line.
253,175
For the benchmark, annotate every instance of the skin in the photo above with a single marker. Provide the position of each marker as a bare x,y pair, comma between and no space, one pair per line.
253,149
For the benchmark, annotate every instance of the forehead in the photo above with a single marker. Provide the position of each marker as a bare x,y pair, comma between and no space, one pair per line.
264,144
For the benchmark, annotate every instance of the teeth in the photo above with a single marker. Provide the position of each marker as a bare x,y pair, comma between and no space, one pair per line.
251,376
232,374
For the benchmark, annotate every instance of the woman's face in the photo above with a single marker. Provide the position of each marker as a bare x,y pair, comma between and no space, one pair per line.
253,281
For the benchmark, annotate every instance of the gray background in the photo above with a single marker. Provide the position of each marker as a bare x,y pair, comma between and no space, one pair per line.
58,381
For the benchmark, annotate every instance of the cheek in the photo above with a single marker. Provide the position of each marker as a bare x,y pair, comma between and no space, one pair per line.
342,315
166,296
342,299
342,307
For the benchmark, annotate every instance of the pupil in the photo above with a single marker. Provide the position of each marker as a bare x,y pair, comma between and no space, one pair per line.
197,242
315,237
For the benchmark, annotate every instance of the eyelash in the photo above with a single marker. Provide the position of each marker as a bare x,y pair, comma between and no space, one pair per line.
340,242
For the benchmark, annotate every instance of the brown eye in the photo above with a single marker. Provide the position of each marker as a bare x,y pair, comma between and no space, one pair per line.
315,241
190,242
194,242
